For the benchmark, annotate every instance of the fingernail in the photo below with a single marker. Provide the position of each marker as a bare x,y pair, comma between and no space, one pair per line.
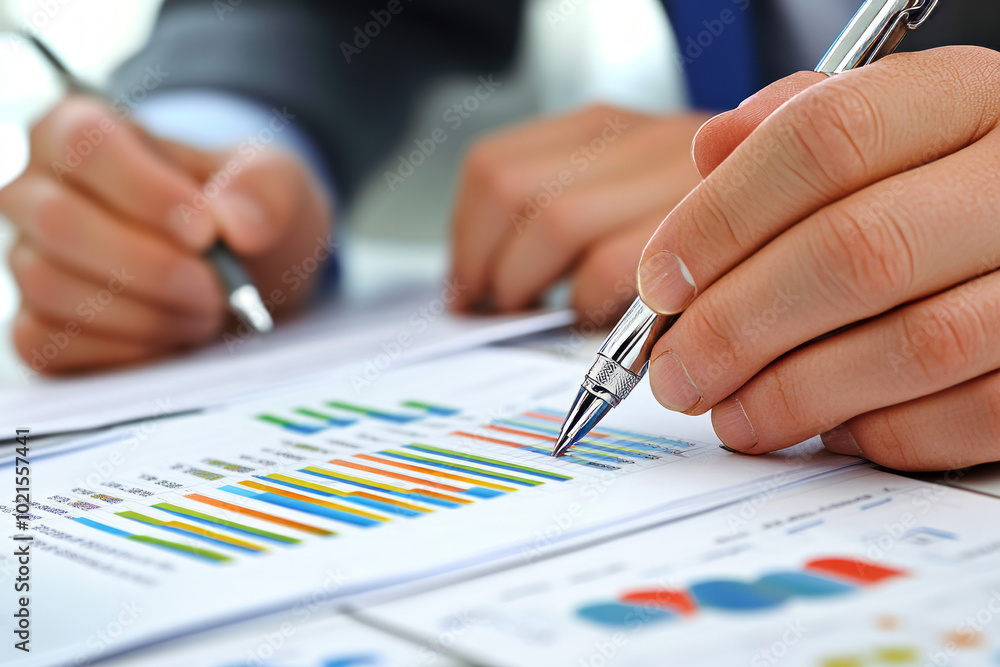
733,426
665,283
240,214
191,226
193,284
672,385
840,440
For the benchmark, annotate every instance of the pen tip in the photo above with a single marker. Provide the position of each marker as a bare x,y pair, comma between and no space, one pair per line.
583,415
563,443
247,304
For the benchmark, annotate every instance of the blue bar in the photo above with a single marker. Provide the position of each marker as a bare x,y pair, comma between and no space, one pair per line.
876,503
513,467
205,538
480,492
648,439
220,526
374,504
101,526
541,426
799,529
445,466
408,496
309,508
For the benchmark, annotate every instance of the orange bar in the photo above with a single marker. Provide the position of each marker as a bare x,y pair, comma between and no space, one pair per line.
539,415
526,434
437,473
396,475
505,443
313,501
441,496
260,515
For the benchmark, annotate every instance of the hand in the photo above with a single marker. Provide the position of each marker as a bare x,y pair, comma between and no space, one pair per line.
871,197
575,195
112,224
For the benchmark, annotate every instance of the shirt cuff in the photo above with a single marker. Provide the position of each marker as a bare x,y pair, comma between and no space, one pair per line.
215,120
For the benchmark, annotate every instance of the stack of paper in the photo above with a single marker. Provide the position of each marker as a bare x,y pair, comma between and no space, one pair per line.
351,488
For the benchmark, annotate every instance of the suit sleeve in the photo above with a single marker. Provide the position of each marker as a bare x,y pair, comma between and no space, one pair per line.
349,72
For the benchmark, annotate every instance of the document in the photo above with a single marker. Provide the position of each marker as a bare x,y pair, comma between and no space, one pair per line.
304,637
861,569
354,486
406,325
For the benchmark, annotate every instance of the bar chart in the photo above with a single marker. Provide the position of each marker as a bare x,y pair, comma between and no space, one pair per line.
334,469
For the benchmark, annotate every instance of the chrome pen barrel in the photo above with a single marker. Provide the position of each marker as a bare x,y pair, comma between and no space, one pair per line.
624,357
874,32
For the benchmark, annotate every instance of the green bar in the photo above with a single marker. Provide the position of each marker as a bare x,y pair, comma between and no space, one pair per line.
483,459
351,408
141,517
270,419
458,466
230,524
315,415
194,551
422,406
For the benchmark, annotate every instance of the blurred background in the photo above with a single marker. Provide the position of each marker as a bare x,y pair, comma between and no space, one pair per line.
573,52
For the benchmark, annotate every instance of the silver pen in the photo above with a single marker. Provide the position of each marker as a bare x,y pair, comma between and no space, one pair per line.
874,32
244,300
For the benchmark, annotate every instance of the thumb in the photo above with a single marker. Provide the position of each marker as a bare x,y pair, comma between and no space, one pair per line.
226,182
255,207
720,136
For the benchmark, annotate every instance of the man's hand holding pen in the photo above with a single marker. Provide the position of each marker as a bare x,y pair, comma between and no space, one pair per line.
870,198
136,202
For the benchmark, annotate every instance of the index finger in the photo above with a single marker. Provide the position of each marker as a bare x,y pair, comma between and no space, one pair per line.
89,146
828,141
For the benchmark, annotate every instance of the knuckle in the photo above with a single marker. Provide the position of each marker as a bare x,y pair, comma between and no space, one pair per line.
29,338
719,226
24,335
786,399
722,351
11,193
53,222
613,265
881,436
560,224
76,122
38,283
599,112
991,413
480,161
505,186
836,135
865,259
945,342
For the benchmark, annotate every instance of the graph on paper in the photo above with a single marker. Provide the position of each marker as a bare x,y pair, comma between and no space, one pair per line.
322,474
324,490
817,579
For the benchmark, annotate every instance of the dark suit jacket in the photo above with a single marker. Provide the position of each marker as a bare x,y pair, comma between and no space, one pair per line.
353,92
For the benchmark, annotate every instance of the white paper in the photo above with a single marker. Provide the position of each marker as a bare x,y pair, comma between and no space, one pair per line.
520,506
389,330
304,637
927,591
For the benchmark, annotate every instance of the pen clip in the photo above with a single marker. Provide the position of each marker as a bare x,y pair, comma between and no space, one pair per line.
920,13
875,32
